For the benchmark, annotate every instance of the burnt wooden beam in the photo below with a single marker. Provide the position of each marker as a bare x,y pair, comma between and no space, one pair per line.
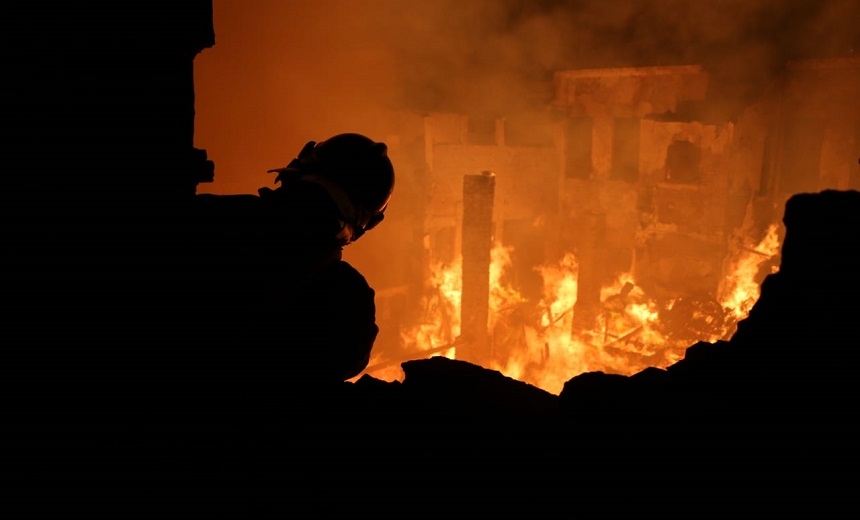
478,197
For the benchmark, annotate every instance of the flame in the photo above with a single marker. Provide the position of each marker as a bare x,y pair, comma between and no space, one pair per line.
501,295
739,290
550,353
440,322
535,341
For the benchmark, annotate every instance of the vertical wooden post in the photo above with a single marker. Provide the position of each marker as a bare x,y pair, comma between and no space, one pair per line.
478,196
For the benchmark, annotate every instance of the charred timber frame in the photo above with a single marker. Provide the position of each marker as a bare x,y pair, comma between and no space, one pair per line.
478,199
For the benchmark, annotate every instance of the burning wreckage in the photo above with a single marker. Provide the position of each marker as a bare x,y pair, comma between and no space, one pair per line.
542,343
628,222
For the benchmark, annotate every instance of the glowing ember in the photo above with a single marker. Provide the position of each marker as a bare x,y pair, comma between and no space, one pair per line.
534,342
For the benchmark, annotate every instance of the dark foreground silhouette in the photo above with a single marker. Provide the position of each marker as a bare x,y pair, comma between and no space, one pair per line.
785,383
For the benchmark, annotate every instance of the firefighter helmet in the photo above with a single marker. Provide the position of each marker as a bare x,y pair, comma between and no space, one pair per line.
354,170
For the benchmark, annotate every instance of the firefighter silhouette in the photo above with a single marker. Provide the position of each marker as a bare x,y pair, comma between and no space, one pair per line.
286,306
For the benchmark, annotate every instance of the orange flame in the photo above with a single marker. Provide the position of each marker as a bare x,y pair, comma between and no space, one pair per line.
534,341
739,291
440,323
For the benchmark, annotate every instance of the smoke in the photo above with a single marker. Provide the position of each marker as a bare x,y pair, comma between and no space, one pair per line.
488,56
282,73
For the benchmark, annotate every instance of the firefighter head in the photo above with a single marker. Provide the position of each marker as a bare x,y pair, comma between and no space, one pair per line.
354,171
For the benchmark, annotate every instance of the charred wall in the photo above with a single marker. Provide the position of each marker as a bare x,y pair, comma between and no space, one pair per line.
800,137
699,180
819,112
526,181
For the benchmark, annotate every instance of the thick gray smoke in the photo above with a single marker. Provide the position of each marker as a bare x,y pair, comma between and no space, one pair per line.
284,72
453,54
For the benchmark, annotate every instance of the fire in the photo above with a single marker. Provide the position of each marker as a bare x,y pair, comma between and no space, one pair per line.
501,296
551,353
449,285
535,342
740,291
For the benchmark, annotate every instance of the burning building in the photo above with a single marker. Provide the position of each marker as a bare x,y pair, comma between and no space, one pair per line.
634,185
636,152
